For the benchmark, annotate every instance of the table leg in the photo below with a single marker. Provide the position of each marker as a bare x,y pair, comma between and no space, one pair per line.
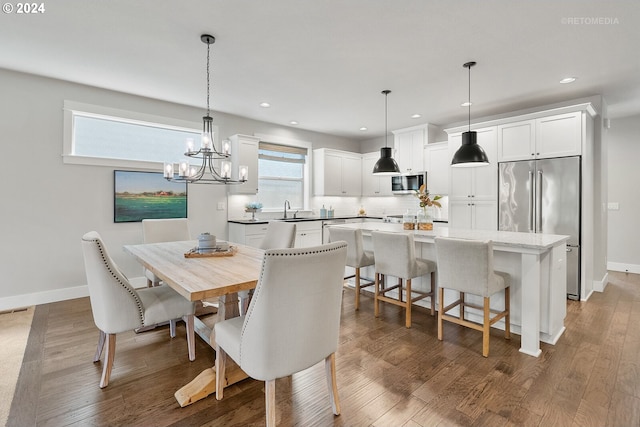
205,383
530,303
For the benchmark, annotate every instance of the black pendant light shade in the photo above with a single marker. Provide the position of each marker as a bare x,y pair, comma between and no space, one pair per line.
470,154
385,164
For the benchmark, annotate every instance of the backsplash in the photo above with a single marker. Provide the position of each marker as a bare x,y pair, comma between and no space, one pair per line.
342,206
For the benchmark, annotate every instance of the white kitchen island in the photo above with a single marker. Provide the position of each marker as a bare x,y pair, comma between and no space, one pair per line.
536,263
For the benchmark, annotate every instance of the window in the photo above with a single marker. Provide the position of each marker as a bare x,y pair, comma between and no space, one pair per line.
282,171
103,136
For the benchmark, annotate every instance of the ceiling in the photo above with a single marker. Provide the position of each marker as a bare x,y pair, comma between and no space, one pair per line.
324,63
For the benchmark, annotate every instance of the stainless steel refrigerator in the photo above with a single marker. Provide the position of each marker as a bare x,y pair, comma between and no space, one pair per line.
543,196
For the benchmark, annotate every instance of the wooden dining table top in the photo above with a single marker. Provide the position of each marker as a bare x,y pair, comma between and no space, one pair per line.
202,277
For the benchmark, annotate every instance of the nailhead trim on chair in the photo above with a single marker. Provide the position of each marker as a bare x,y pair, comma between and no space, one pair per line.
115,276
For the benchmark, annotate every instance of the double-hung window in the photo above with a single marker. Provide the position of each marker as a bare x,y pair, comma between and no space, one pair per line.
282,172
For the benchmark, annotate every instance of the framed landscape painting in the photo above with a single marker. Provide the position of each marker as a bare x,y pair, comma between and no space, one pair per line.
147,195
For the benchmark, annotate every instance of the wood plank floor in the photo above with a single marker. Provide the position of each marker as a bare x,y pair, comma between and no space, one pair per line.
387,375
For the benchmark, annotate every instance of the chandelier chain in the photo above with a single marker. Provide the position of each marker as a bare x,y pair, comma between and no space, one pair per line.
208,50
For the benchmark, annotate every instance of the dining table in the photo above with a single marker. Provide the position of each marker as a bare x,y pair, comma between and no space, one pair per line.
200,277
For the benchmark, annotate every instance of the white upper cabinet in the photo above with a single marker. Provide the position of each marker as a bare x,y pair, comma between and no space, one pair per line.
475,182
559,136
437,165
516,141
409,148
374,185
336,173
244,151
553,136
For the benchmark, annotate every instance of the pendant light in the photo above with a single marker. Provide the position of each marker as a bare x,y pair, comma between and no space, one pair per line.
385,164
470,154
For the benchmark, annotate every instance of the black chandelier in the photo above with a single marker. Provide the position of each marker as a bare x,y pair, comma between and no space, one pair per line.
215,167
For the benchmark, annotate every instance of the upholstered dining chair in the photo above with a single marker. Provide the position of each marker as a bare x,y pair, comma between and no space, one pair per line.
466,266
396,256
118,307
280,235
286,330
357,257
163,230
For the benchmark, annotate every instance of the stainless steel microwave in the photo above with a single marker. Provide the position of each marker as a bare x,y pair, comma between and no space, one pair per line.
408,183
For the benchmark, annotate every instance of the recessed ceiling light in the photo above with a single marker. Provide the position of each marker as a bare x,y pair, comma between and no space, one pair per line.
466,104
265,105
416,116
567,80
363,128
293,122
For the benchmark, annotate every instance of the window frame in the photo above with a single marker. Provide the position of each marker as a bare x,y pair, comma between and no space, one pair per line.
306,174
73,109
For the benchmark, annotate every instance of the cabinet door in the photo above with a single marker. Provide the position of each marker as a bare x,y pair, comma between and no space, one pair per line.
332,174
351,176
244,151
485,178
460,214
485,215
559,136
516,141
437,166
461,178
410,151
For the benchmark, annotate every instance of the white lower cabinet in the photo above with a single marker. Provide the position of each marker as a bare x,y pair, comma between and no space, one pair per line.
247,234
308,233
476,214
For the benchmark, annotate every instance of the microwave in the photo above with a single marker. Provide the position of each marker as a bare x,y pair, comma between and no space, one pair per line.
408,183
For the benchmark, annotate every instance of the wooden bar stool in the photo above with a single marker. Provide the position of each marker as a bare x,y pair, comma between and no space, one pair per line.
396,256
357,257
467,267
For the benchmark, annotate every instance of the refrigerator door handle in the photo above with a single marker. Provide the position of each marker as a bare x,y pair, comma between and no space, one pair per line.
539,203
531,201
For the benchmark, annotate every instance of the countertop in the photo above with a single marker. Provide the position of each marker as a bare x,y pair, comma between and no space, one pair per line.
509,239
309,218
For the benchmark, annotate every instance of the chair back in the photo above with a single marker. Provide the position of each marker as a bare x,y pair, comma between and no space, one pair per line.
115,304
293,320
356,256
395,254
280,235
466,266
165,230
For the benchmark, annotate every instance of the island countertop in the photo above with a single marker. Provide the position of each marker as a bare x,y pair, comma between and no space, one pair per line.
499,238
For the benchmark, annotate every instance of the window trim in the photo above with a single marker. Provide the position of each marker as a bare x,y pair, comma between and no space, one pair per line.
72,109
307,165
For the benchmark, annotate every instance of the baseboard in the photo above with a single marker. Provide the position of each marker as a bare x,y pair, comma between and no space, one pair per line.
600,285
63,294
625,268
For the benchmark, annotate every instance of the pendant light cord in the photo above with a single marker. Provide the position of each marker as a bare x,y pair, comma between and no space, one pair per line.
469,100
386,133
208,50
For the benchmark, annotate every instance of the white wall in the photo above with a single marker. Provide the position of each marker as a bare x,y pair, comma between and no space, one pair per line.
624,176
47,206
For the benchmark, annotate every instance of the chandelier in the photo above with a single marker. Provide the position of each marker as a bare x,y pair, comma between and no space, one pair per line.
215,163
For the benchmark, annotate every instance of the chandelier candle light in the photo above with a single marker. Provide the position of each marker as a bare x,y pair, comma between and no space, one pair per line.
209,155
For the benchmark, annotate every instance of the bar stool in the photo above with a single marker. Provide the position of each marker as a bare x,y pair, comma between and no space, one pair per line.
467,267
396,256
357,257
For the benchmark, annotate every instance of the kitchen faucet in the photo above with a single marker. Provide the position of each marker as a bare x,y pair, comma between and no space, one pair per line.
286,206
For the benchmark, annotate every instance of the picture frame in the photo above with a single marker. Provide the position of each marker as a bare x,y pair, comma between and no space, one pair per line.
141,195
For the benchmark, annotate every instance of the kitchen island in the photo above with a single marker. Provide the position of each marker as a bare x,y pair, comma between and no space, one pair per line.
536,263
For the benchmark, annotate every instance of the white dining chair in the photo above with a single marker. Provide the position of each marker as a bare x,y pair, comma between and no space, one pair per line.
466,266
287,329
118,307
396,256
357,257
279,235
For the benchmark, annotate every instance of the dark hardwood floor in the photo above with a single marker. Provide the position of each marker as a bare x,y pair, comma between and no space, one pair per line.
387,375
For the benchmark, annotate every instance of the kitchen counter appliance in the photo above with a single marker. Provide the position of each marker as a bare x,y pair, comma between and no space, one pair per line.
408,183
543,196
